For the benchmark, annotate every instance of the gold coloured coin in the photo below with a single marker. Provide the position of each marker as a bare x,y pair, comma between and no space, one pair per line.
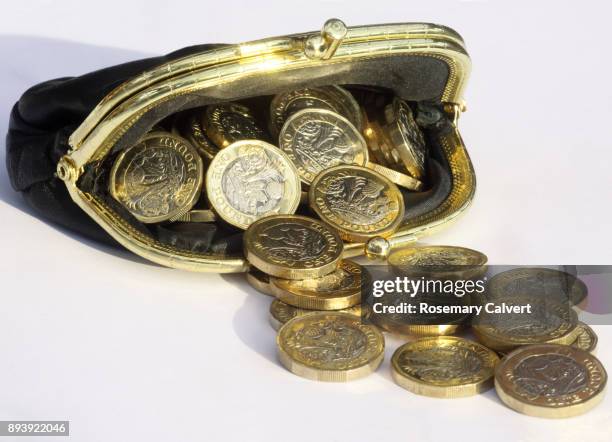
444,367
330,346
406,137
227,123
552,381
259,281
333,98
586,339
280,313
548,322
335,291
548,283
438,323
189,126
292,247
317,139
158,179
441,262
251,179
198,216
396,177
381,147
358,202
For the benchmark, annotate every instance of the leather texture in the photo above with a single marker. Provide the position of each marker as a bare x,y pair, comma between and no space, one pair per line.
40,124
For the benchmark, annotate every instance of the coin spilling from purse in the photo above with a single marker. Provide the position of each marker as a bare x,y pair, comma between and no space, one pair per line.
320,168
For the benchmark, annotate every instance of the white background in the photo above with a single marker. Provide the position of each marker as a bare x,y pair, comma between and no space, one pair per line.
151,354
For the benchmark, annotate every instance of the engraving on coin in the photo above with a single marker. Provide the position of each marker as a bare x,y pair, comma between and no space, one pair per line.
586,339
442,262
251,179
548,322
158,179
549,375
293,247
332,98
338,290
548,283
550,380
441,364
327,342
407,137
330,346
359,202
444,367
253,184
317,139
189,126
230,122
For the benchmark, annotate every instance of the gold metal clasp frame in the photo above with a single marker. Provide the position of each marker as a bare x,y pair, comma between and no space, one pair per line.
335,45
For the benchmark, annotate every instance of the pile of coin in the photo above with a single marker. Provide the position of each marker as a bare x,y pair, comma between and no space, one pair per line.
320,152
220,163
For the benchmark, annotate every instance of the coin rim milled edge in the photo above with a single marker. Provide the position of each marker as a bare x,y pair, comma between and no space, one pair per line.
307,299
277,323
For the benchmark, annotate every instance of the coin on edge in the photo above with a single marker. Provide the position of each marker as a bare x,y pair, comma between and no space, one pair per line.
251,179
158,179
259,281
280,313
229,122
553,381
358,202
381,147
189,126
406,137
549,283
335,291
330,346
317,139
586,339
444,367
292,247
549,322
441,262
333,98
396,177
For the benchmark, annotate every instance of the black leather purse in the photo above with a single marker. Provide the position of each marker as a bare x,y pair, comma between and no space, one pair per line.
64,133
